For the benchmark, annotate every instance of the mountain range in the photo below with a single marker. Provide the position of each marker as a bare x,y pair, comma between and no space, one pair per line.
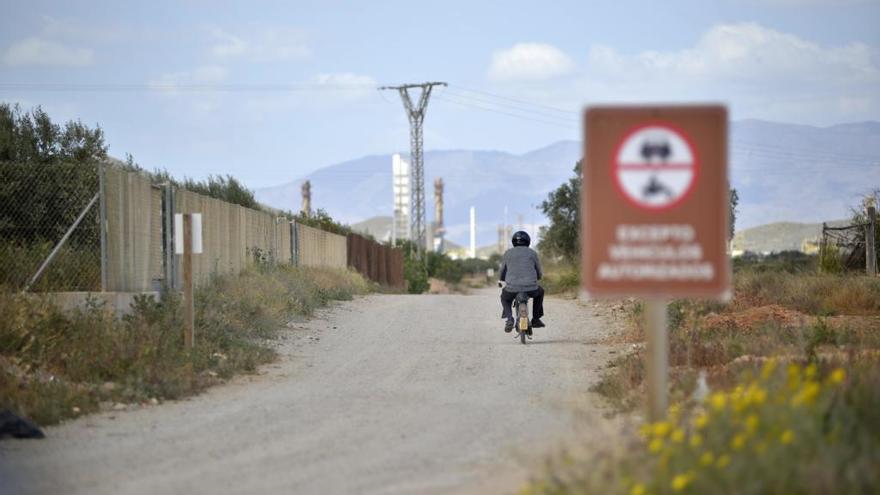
782,172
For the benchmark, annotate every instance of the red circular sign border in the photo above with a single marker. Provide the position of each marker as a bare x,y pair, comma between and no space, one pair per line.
616,165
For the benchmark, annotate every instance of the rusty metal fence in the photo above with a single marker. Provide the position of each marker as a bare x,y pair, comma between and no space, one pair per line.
377,262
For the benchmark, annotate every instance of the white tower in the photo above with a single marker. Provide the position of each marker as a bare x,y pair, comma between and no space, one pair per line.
400,225
473,251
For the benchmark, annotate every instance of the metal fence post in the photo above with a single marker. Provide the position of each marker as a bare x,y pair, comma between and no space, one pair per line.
870,246
294,244
102,207
168,227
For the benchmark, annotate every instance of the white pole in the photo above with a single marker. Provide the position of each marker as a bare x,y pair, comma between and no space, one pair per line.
473,250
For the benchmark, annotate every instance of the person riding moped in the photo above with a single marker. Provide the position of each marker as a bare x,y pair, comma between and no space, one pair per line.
521,269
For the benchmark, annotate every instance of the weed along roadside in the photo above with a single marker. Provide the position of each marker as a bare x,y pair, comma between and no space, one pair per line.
774,390
56,365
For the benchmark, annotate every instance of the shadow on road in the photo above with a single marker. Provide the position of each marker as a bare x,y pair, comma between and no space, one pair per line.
538,340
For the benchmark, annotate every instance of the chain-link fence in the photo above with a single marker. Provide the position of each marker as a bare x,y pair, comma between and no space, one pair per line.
842,248
42,205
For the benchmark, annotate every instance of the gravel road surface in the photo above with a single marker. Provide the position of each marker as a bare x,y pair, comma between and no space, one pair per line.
385,394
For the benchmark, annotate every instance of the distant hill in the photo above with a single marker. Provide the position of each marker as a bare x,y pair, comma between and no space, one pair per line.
779,236
783,172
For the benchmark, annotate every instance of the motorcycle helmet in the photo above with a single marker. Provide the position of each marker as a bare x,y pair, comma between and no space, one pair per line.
521,238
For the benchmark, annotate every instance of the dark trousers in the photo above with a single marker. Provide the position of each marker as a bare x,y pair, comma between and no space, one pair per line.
537,306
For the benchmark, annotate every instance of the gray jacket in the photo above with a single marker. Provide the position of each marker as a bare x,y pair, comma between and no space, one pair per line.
521,269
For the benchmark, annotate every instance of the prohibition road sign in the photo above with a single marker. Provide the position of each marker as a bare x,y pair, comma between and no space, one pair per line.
654,202
655,166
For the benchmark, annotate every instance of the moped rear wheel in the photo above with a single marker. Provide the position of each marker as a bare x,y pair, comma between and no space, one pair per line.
522,337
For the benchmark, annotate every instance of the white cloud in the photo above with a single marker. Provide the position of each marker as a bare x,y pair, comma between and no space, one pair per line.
38,51
321,92
346,86
743,52
173,85
208,74
343,79
529,61
760,72
268,45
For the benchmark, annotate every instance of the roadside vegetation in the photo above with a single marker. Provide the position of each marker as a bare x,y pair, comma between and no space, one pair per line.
775,391
457,274
56,365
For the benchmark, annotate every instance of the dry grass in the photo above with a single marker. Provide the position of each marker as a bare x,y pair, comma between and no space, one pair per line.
808,293
825,327
772,314
55,365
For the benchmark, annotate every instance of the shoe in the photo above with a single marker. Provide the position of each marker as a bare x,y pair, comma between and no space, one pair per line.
508,326
537,323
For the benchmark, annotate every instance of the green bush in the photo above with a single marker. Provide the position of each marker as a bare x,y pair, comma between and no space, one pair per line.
561,279
416,276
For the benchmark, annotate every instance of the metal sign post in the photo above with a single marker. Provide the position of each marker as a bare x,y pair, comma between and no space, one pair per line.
656,357
188,241
654,213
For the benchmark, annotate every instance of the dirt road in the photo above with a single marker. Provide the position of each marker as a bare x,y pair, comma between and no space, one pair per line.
384,394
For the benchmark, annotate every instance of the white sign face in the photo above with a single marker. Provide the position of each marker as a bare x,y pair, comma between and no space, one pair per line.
196,238
196,233
178,233
655,167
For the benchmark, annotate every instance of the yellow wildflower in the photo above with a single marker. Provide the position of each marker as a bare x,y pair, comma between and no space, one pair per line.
701,421
655,446
810,371
723,461
718,401
752,424
678,435
837,376
807,395
645,430
794,376
759,397
707,458
681,481
674,412
761,447
768,369
661,428
637,489
696,440
787,437
738,441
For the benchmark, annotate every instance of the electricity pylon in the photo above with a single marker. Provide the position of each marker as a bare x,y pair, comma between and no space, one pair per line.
416,115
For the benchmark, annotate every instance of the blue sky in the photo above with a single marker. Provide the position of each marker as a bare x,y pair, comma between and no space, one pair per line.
163,71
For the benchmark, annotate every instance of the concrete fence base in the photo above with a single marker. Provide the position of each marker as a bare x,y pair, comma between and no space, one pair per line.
117,302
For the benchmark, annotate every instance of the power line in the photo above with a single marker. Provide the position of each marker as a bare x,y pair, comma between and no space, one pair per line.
510,114
570,119
126,87
516,100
